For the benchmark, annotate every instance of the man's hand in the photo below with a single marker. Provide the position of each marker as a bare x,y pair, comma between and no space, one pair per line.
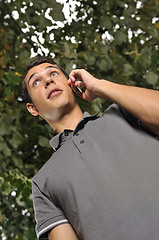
140,102
85,80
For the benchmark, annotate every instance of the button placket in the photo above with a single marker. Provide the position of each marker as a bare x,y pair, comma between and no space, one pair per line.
79,139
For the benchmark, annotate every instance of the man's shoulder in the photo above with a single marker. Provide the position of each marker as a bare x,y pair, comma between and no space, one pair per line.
112,111
43,171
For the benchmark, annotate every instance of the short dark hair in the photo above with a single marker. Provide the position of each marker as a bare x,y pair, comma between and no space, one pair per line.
37,61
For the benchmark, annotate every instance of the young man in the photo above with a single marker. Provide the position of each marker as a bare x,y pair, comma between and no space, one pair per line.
102,181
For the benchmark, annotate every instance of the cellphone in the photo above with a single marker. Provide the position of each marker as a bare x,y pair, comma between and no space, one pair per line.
77,90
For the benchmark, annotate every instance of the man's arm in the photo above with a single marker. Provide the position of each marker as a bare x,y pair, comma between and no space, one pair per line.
140,102
63,232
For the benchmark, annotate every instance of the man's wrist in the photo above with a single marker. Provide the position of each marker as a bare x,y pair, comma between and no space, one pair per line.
100,89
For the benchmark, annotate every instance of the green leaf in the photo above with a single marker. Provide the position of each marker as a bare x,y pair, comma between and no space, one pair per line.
57,13
120,37
40,4
105,22
69,66
13,78
128,69
104,64
90,58
6,187
4,129
1,107
154,61
31,233
153,32
5,149
16,140
44,23
43,141
151,78
17,161
8,91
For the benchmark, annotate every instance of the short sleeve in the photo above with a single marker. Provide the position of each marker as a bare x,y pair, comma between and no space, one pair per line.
47,214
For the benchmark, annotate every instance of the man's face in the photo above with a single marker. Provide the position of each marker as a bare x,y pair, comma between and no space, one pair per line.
49,91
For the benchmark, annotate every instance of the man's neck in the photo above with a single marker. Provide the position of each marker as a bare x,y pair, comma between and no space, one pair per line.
68,121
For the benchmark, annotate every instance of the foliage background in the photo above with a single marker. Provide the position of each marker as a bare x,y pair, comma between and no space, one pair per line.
112,39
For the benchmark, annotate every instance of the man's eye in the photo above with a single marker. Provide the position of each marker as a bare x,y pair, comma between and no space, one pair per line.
53,74
35,83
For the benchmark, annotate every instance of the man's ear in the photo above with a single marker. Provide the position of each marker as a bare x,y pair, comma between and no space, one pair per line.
32,109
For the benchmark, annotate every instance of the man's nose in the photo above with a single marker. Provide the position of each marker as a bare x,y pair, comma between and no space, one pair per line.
47,81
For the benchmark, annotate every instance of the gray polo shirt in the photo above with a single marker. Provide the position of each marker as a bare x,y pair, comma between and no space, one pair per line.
103,179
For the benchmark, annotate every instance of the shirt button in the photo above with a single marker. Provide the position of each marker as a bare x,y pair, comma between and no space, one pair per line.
82,141
66,133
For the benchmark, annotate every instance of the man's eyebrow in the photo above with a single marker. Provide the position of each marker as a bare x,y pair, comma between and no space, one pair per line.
50,66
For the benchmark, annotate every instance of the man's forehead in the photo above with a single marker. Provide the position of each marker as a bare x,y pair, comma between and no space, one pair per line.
41,67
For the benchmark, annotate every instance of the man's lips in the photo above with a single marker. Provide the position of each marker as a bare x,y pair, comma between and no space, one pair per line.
54,92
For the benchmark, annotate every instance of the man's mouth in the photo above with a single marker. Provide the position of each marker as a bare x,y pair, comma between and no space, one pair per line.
54,93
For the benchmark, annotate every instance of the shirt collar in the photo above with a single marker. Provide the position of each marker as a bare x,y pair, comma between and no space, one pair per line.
55,142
